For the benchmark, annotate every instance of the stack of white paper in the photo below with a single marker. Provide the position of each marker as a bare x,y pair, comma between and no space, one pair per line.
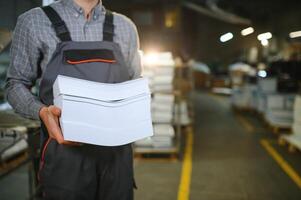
267,85
162,109
279,117
297,116
149,74
297,110
159,68
163,76
295,138
147,142
297,129
279,109
103,114
244,97
163,135
181,110
275,101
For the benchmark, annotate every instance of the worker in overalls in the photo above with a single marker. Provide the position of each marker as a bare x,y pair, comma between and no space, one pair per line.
81,39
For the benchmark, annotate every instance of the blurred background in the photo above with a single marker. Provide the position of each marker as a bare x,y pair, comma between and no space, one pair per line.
226,82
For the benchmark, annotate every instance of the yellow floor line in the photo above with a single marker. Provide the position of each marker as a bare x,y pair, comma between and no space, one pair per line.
248,126
184,187
281,162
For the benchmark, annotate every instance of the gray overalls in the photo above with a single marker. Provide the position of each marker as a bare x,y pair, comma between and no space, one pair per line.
84,172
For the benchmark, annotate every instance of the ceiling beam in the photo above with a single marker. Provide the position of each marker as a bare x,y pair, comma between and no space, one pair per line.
217,13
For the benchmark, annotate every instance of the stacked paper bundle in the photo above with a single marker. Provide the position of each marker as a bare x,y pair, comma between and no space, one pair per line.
148,73
235,97
297,116
163,135
162,116
295,138
159,68
103,114
181,110
162,108
267,85
279,109
260,100
243,97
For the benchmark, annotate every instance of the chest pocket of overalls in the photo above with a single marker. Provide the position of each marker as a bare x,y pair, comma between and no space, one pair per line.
82,62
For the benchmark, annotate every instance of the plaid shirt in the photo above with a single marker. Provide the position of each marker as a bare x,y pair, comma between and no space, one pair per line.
34,42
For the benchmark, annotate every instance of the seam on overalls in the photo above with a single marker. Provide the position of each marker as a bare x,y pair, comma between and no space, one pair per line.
43,157
90,60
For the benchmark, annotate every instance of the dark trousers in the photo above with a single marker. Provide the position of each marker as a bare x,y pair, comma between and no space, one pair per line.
86,172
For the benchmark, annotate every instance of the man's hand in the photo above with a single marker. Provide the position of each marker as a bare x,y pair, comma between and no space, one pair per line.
50,116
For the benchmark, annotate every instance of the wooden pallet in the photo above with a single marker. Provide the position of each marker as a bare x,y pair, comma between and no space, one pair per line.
172,154
279,129
292,148
12,164
157,156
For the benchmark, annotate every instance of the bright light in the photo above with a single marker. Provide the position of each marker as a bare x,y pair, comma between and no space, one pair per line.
156,59
247,31
151,58
264,43
226,37
265,36
295,34
262,73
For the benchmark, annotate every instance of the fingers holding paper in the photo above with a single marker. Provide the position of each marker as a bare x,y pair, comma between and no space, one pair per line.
50,116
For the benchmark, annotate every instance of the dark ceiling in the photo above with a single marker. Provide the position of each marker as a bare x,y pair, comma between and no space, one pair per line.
261,11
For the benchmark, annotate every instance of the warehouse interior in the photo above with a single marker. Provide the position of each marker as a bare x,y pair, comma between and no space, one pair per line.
225,78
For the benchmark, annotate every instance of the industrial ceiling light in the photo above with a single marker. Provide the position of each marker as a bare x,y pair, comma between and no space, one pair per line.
226,37
264,42
247,31
295,34
265,36
262,73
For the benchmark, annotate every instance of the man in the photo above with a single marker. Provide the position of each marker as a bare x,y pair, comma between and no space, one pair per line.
44,42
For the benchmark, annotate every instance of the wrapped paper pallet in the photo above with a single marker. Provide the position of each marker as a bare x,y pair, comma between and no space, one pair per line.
163,137
243,97
162,108
279,110
295,138
265,86
181,110
160,68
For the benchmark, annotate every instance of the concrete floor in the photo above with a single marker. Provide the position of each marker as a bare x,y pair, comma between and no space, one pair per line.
229,162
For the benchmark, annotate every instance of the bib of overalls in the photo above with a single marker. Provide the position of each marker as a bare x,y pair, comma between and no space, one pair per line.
99,61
